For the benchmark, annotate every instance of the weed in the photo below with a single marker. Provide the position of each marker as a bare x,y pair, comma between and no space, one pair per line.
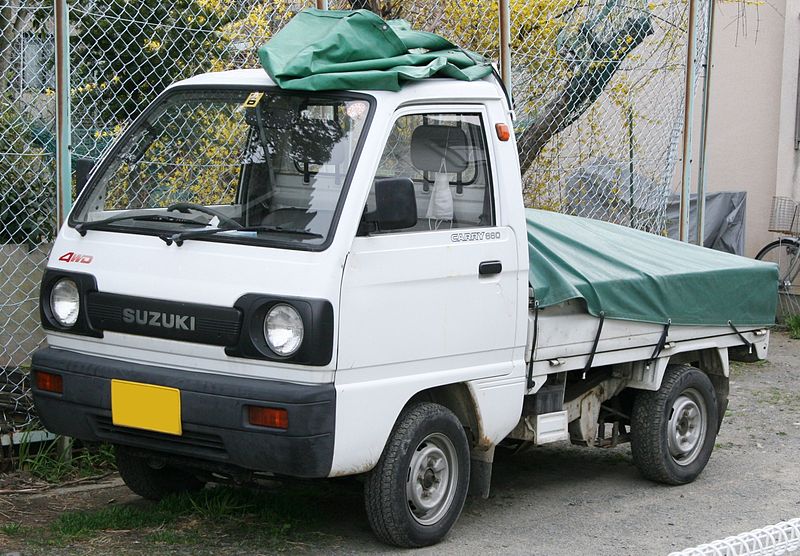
73,525
45,460
12,529
793,322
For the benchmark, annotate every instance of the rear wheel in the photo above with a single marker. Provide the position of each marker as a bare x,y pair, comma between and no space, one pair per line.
151,480
673,429
416,492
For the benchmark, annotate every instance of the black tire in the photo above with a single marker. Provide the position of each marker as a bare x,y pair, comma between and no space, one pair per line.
153,483
427,438
674,428
784,252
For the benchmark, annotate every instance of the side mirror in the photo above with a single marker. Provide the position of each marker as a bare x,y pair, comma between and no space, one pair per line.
83,167
395,205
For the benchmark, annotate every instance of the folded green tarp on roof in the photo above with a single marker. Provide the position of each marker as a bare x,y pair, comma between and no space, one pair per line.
330,49
632,275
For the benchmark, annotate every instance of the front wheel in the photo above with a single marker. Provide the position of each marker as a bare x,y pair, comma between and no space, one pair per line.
415,493
153,481
673,429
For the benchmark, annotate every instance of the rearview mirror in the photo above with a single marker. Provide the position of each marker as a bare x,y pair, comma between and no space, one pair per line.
395,206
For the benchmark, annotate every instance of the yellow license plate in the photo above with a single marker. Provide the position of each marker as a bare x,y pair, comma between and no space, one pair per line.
146,406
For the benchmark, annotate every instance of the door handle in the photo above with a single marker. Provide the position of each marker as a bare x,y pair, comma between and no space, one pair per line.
487,268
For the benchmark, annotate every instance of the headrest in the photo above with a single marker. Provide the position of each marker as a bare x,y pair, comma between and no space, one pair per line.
315,141
430,144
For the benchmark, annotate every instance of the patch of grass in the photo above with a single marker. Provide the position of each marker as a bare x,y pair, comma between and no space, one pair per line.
779,397
258,517
74,525
13,529
44,461
793,322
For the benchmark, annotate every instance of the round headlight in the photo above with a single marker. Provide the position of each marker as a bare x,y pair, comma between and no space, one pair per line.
283,329
65,302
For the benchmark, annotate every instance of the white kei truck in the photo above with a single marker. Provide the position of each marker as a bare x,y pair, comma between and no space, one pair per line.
265,282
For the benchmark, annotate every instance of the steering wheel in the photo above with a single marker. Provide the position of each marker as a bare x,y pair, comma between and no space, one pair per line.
187,207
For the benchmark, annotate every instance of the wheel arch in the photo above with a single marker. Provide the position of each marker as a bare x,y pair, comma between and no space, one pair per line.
457,398
648,375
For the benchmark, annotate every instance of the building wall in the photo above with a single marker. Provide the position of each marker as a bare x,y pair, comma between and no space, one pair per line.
747,114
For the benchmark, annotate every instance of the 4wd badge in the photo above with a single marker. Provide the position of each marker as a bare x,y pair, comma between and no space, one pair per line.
75,258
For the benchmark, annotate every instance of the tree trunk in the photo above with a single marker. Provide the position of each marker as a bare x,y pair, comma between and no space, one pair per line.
387,10
582,89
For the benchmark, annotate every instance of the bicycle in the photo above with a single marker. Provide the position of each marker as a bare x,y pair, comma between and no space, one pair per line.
785,252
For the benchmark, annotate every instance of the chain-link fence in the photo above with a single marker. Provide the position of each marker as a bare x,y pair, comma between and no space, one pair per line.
27,186
598,87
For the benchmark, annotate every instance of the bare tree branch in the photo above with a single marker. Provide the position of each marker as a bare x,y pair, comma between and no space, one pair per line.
580,91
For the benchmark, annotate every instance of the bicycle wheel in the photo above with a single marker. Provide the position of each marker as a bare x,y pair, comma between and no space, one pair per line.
785,253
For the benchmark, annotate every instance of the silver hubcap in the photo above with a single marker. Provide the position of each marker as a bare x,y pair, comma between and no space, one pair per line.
432,476
687,427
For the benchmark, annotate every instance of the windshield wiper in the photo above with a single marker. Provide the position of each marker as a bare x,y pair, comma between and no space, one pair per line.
83,226
180,236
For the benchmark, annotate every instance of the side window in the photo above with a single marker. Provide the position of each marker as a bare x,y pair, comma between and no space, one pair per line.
445,157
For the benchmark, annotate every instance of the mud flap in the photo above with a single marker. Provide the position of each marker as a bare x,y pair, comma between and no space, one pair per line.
480,476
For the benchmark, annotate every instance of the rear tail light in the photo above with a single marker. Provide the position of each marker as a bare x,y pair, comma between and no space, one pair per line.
272,417
49,382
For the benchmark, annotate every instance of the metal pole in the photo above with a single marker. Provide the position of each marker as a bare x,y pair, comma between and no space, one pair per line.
322,4
63,124
505,44
702,173
688,117
630,165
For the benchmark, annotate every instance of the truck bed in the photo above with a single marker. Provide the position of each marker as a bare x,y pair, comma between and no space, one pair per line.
565,335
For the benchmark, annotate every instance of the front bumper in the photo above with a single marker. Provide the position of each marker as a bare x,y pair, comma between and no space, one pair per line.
213,414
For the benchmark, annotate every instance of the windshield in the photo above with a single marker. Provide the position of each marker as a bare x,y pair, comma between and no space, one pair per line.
252,166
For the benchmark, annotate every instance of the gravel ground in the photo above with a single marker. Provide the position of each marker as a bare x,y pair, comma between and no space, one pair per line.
562,499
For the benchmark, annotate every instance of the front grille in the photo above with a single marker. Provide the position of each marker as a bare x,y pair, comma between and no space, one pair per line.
191,442
187,322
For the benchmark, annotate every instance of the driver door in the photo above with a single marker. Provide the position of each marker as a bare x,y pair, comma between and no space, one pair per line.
440,296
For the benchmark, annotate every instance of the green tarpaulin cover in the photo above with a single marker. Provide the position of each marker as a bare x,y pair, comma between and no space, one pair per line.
330,49
633,275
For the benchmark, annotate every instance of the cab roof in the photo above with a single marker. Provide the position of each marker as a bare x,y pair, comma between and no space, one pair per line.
432,89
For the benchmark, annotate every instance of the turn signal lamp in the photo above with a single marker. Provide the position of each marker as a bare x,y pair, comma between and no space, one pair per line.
49,382
272,417
503,132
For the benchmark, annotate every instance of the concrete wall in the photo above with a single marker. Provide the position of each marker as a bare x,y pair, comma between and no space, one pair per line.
751,117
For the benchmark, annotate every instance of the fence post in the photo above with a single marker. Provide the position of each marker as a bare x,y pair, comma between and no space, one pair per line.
505,44
63,123
63,145
688,120
701,162
322,4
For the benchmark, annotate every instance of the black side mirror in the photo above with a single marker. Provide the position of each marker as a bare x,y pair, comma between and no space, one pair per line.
395,206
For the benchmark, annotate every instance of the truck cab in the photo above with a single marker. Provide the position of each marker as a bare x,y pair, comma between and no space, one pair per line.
260,280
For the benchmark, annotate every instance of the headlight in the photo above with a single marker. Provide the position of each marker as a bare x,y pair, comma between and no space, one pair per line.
65,302
283,329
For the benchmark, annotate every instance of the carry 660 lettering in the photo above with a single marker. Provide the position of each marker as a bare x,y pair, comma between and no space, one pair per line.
348,283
